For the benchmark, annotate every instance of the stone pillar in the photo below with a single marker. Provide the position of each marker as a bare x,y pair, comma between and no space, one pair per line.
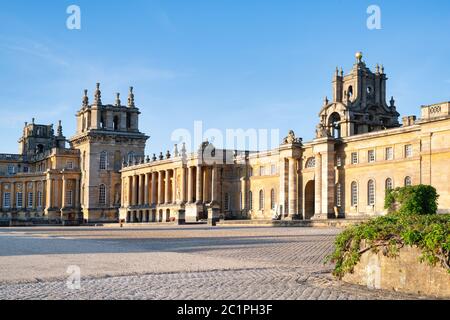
142,189
167,187
77,193
48,195
34,195
214,185
206,184
190,184
199,187
146,191
134,194
183,185
174,186
283,182
292,188
63,195
160,187
318,185
154,191
13,195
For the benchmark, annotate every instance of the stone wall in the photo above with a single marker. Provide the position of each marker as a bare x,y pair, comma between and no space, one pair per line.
404,273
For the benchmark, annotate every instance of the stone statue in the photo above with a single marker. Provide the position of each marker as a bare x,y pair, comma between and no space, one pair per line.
321,131
290,139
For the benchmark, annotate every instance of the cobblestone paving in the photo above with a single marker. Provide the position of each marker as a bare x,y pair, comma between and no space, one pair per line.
242,263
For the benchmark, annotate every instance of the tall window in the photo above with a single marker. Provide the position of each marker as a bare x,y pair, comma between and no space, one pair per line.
30,200
371,155
102,194
354,194
371,193
354,157
339,161
338,195
69,198
408,181
250,200
408,151
389,153
227,202
261,200
7,200
262,171
103,160
69,165
19,200
272,199
11,169
389,184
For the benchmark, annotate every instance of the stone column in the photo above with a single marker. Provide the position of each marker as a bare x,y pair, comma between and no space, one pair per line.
77,193
283,182
292,188
183,185
63,195
214,184
134,191
48,195
199,183
206,184
154,191
167,187
318,185
160,187
174,186
142,189
190,184
34,201
146,189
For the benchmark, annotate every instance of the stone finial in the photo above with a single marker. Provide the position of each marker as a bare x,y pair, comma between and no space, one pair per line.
337,72
382,69
161,157
131,98
183,149
325,101
59,129
32,121
377,68
168,154
118,102
154,157
359,57
147,159
175,151
98,96
342,72
85,101
392,102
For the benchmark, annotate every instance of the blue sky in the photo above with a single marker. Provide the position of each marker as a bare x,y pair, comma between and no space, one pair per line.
232,64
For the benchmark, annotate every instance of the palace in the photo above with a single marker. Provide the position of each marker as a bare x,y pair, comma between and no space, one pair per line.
359,152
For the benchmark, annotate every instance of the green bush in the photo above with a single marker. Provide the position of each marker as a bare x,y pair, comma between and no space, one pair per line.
420,199
414,224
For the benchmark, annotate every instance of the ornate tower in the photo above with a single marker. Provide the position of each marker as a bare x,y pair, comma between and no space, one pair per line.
107,136
359,103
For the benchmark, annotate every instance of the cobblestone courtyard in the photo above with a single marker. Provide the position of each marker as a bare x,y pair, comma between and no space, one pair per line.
171,262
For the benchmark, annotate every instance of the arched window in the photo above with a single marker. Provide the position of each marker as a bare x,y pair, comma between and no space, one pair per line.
371,193
102,194
116,123
354,194
338,195
250,200
261,200
389,184
272,199
408,182
310,163
103,160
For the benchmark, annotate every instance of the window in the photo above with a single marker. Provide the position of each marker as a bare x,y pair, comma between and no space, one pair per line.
310,163
30,199
19,200
25,169
103,160
339,161
69,199
250,200
354,158
371,156
389,153
227,202
7,200
262,171
371,193
261,200
250,172
408,151
102,194
338,195
408,181
273,170
272,199
69,165
389,184
354,194
130,157
11,169
39,199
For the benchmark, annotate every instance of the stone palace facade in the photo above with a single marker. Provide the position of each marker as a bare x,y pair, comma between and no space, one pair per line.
359,152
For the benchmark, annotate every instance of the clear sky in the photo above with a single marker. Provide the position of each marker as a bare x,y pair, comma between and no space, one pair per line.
232,64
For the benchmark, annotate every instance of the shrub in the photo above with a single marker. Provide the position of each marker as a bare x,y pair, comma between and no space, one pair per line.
420,199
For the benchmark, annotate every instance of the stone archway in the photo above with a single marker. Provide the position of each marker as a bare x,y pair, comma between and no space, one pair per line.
309,199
